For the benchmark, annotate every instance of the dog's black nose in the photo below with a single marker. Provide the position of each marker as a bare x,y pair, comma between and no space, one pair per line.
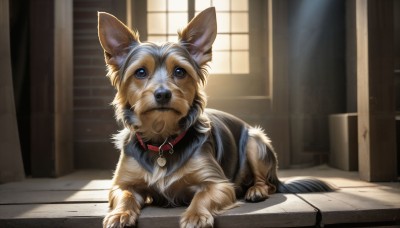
162,95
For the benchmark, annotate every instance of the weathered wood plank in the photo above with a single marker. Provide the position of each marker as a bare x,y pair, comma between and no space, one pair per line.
48,203
56,185
278,211
358,205
78,222
53,215
43,197
339,178
89,174
46,211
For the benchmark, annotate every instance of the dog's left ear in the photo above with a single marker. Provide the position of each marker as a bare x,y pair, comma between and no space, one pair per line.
199,35
115,38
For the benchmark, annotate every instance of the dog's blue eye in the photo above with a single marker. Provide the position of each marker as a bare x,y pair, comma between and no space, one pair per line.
141,73
179,72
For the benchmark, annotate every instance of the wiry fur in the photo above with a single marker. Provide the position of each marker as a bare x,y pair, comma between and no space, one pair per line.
220,157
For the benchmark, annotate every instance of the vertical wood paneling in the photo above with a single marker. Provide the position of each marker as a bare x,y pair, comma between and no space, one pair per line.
42,87
63,71
278,57
94,121
51,87
375,95
317,76
11,168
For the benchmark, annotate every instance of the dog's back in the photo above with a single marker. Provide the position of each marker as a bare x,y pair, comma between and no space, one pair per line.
229,136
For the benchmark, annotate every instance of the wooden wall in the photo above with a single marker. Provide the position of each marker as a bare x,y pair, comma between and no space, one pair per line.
19,44
318,83
11,167
71,124
396,18
94,121
317,76
42,87
375,94
51,87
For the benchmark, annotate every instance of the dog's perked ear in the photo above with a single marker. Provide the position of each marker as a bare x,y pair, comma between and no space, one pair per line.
115,38
199,35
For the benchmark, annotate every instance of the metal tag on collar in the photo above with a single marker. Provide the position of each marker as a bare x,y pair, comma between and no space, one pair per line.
161,160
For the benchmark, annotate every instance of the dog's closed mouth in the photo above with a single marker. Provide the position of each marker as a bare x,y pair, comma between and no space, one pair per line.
163,109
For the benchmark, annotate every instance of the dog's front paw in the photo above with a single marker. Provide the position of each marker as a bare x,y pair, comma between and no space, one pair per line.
197,220
120,219
257,193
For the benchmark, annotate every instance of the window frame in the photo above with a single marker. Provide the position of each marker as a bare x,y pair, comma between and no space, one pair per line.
257,82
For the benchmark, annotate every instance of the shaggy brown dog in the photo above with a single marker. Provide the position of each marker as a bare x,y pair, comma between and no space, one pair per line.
174,151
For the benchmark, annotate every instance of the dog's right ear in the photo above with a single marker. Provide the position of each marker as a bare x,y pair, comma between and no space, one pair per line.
115,38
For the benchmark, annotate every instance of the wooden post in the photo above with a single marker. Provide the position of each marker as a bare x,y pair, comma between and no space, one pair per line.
51,88
11,167
63,71
278,61
375,85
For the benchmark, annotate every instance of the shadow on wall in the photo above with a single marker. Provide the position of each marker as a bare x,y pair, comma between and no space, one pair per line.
317,75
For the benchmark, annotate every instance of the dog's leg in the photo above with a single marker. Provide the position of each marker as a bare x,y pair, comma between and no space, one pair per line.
125,207
208,202
263,163
125,199
213,192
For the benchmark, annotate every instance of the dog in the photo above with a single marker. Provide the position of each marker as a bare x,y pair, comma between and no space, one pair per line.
174,151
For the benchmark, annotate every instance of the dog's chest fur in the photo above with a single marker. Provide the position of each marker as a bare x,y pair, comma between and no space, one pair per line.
226,138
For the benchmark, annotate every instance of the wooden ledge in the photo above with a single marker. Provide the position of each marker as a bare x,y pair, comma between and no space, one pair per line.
281,210
79,201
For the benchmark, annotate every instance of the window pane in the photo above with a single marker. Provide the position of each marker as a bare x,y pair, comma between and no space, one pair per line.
240,22
156,5
176,21
156,23
223,21
220,63
231,47
240,62
177,5
173,38
221,5
239,5
222,42
240,42
202,4
156,38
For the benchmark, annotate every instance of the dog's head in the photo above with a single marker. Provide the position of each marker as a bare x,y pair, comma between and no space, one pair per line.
159,86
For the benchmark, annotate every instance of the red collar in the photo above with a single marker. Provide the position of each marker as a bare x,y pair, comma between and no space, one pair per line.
167,145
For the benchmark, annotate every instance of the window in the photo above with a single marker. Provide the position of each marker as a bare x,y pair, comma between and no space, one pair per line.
240,66
165,18
231,48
